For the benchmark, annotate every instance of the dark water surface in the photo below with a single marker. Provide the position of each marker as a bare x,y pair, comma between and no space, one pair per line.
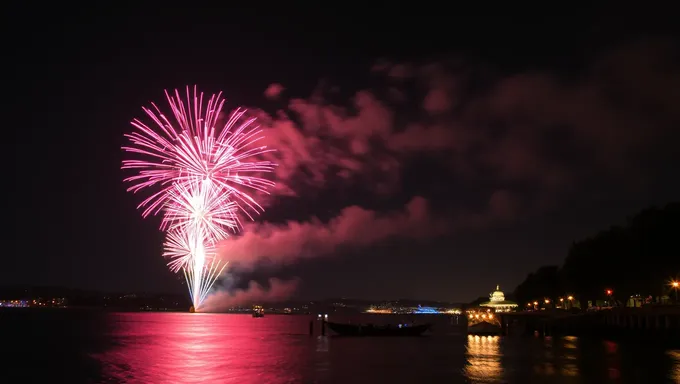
72,346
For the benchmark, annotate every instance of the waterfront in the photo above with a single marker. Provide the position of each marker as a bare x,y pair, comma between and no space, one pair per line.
92,346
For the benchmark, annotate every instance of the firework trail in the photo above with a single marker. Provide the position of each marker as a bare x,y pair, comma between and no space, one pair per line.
202,179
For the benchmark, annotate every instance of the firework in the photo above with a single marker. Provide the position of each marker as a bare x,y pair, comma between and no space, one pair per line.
203,205
202,178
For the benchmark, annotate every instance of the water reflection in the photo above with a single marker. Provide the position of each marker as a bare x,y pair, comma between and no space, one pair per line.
483,359
322,364
322,344
570,359
547,366
197,348
90,346
674,373
612,357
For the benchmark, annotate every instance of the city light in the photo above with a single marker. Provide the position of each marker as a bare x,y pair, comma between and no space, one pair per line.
675,284
609,292
570,298
396,308
425,310
58,302
379,310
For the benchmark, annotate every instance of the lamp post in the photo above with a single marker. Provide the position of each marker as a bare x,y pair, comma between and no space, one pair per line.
676,286
609,293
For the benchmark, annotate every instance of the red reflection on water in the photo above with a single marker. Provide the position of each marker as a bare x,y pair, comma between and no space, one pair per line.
200,348
611,347
612,358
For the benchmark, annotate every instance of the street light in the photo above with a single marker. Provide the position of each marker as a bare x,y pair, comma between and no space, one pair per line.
675,285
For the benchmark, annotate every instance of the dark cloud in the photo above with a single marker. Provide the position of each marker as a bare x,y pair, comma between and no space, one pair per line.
532,131
534,127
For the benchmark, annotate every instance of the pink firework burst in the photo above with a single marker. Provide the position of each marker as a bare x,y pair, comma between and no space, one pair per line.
180,246
193,148
201,204
204,178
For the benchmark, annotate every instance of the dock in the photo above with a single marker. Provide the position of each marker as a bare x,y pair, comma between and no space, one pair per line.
657,322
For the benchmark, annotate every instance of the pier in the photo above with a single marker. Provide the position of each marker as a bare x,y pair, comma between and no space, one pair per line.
657,322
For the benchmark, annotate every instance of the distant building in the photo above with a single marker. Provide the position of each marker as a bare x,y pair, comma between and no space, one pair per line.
498,303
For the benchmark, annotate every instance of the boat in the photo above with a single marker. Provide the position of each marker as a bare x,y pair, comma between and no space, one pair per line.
484,324
258,311
378,330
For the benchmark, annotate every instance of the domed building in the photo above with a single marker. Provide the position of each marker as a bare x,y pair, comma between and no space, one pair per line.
498,303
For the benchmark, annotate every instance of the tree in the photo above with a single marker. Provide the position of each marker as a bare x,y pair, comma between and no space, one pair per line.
637,258
544,283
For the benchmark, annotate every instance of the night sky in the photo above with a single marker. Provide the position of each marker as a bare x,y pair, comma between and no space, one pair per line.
457,150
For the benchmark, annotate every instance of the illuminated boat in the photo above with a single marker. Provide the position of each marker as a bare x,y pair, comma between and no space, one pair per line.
258,311
484,323
378,330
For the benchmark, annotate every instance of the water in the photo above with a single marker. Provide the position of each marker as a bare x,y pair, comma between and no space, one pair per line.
71,346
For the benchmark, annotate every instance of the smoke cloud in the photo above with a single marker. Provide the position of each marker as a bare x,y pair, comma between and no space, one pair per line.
526,141
255,293
519,128
354,226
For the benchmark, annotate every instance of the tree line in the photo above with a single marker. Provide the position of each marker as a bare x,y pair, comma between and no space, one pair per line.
640,257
